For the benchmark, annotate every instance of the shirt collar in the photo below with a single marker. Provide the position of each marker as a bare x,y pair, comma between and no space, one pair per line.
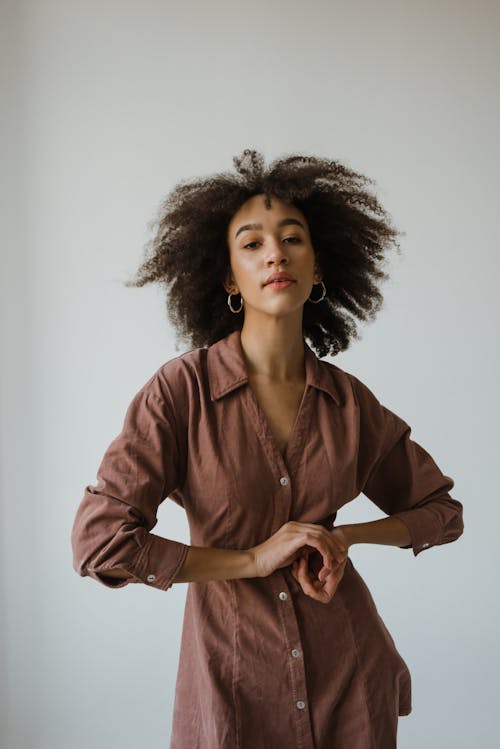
227,370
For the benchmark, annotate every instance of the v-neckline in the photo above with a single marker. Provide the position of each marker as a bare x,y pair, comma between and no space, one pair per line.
264,423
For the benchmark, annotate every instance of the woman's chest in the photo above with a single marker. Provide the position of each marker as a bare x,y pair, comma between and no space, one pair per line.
254,460
279,406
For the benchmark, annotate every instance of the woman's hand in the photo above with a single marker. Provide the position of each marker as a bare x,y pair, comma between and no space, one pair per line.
296,541
306,570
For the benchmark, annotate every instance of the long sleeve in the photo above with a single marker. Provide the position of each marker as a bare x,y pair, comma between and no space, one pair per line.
401,478
141,466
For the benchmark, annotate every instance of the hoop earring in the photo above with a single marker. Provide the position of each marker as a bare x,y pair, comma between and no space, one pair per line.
229,304
315,301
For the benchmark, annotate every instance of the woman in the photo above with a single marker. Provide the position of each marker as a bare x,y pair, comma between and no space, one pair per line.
261,442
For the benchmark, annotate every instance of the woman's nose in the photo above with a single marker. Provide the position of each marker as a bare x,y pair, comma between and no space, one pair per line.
276,252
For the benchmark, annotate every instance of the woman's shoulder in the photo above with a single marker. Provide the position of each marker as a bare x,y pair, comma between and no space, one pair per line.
179,377
351,388
371,408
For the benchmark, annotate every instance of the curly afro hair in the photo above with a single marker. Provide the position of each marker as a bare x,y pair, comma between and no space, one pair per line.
350,232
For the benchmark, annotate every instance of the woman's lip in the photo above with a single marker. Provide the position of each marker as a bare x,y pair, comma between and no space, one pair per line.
280,284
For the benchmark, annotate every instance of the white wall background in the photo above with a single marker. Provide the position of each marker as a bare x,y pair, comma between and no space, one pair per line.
106,106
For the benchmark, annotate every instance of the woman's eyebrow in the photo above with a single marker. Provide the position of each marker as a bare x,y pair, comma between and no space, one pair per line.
283,222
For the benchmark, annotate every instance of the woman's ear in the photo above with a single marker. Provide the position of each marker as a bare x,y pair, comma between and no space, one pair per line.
318,275
229,284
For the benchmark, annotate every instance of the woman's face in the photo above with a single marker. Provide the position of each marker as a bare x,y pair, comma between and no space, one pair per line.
263,241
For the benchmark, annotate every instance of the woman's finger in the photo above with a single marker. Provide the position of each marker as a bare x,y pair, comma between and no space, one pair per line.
337,541
330,554
321,545
309,583
329,546
333,581
315,588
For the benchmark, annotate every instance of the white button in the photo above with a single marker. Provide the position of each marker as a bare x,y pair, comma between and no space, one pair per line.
300,704
283,595
151,578
284,480
425,545
295,653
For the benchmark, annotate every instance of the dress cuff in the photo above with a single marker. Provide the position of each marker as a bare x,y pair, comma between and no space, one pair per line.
421,528
160,561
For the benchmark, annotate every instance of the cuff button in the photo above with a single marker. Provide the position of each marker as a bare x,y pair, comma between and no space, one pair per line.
151,578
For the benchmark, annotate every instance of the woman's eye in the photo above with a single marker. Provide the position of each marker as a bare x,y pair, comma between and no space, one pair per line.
296,239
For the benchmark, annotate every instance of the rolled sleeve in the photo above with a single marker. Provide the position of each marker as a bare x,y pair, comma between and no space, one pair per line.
140,468
403,479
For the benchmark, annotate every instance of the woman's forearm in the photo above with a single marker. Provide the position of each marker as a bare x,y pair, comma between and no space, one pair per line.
390,531
206,563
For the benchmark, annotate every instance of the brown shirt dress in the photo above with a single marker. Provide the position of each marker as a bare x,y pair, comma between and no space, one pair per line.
262,664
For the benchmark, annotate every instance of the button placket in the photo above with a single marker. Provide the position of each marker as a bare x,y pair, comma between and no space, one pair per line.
286,611
291,635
